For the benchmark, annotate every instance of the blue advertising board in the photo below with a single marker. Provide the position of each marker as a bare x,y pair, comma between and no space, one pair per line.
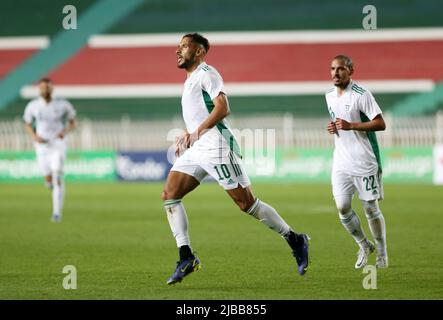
142,166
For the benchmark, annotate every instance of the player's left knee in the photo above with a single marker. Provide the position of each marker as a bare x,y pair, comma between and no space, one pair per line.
344,205
57,177
371,208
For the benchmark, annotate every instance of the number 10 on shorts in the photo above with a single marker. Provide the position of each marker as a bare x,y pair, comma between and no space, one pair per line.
222,172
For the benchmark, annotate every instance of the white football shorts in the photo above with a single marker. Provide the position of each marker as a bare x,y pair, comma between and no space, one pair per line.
51,156
368,187
227,171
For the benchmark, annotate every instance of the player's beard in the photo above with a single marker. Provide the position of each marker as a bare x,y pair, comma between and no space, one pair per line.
337,81
47,96
185,64
341,84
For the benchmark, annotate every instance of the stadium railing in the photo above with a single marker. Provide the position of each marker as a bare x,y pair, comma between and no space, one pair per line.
131,135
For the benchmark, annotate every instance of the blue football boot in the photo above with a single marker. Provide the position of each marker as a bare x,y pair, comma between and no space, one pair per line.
184,267
301,254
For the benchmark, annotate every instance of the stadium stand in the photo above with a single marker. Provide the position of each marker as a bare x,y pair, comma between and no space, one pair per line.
282,62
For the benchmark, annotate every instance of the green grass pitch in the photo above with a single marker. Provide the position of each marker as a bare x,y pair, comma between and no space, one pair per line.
118,238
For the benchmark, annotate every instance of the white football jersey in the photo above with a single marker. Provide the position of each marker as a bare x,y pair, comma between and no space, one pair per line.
49,117
356,152
200,88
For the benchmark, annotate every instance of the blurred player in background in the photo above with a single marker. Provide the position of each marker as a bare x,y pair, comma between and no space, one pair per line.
49,117
356,163
209,148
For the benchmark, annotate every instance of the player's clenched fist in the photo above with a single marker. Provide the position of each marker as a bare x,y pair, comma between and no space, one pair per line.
341,124
332,129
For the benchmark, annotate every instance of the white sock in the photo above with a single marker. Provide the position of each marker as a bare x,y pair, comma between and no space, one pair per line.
351,222
58,193
377,225
178,221
269,216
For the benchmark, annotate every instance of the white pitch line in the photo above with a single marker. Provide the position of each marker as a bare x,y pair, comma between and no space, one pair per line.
232,89
271,37
11,43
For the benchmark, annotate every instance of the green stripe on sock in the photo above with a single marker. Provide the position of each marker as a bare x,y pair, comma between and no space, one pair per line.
346,220
171,202
254,206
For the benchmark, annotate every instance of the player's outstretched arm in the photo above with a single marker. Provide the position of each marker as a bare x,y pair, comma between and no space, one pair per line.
376,124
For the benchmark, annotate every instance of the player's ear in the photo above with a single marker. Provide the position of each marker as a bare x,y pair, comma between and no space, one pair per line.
351,71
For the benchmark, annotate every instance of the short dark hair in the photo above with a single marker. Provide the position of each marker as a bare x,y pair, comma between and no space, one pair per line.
45,79
347,60
198,38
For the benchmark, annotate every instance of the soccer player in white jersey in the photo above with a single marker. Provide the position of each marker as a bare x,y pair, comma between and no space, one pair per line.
209,148
356,162
49,116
